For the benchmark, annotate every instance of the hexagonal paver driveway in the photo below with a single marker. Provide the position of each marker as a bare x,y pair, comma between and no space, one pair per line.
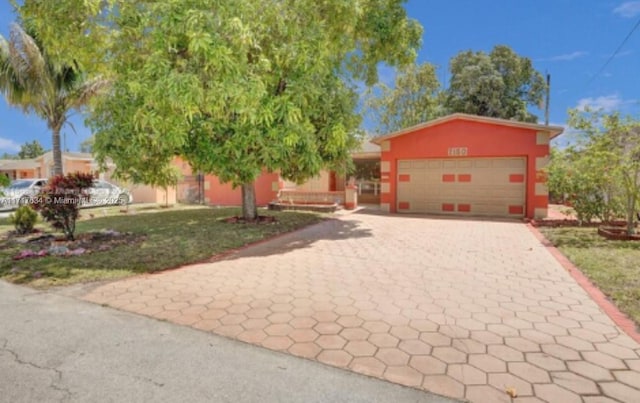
468,309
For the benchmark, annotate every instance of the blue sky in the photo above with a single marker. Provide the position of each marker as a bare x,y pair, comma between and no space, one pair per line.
571,40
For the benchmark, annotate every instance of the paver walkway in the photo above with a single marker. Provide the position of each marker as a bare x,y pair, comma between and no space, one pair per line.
467,309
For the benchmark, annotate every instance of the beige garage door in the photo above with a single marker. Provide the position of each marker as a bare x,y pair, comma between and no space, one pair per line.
465,186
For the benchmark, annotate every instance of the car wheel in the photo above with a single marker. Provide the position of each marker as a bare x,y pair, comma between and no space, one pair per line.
123,199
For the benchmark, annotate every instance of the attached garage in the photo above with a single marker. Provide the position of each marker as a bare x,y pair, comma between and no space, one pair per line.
467,165
479,186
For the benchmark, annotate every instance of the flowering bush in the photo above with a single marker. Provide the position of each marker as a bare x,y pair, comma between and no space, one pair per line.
60,200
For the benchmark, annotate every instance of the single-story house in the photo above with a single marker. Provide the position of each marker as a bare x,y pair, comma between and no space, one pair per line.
459,164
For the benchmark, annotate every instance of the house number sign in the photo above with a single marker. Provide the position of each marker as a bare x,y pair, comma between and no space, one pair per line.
457,151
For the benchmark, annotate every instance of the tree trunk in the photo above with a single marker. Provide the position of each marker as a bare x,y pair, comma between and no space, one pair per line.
57,152
249,210
631,211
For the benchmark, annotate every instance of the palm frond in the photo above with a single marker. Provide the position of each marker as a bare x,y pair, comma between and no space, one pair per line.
27,59
10,85
32,80
88,90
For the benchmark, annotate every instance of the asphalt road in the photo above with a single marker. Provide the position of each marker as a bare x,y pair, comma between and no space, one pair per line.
55,348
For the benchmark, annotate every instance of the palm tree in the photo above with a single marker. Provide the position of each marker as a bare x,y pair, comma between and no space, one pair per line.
29,79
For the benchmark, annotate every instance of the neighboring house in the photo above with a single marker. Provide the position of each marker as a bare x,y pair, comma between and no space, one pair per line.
42,167
19,169
467,165
71,162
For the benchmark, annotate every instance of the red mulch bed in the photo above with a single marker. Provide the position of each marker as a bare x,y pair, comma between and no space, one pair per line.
89,242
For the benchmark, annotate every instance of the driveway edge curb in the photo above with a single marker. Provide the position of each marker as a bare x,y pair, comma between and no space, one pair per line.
619,318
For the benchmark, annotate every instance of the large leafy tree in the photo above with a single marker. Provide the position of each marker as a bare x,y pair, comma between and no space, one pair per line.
31,149
35,82
233,87
499,84
414,98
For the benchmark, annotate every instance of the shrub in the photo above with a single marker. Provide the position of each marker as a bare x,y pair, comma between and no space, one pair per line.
60,201
23,219
4,181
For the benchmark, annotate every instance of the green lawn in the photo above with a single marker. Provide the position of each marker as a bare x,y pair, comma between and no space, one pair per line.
614,266
163,240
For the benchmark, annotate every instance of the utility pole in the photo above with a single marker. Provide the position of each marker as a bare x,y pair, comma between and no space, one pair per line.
546,102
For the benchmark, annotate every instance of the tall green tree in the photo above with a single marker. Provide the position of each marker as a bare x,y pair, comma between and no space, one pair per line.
234,87
30,150
414,98
500,84
32,80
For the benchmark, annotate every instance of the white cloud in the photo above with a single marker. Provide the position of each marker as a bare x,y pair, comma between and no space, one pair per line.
567,56
9,145
628,9
607,103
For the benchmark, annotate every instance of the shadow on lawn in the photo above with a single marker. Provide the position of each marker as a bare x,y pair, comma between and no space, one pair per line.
329,230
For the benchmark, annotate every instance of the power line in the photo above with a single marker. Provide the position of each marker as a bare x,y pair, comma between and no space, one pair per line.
604,66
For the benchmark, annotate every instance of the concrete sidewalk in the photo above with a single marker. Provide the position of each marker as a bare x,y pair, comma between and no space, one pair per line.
54,348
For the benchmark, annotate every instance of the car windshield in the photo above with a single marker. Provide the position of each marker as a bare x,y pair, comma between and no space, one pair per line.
19,185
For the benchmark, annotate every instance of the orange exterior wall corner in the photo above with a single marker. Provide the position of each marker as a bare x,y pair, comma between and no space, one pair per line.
481,139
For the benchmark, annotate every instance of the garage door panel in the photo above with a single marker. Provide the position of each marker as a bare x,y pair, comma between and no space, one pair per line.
482,163
404,164
464,186
449,164
507,163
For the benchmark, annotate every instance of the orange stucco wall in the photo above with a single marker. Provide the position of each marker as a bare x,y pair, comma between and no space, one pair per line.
223,194
26,173
481,140
76,166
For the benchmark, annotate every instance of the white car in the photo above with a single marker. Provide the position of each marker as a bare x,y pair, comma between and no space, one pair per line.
20,192
104,193
24,191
